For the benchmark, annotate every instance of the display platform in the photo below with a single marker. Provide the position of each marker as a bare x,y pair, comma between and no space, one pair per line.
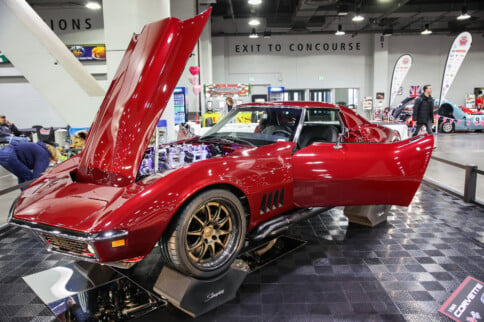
404,269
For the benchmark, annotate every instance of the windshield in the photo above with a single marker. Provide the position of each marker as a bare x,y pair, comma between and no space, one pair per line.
256,126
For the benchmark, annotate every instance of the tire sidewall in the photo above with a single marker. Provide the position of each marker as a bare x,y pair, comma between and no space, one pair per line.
442,127
185,218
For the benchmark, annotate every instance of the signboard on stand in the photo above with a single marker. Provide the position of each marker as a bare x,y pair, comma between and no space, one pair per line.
458,51
400,71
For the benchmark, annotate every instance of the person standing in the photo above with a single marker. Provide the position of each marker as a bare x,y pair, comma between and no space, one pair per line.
27,160
230,103
423,110
479,101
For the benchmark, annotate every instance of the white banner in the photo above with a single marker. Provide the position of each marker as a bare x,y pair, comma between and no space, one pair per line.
402,66
458,52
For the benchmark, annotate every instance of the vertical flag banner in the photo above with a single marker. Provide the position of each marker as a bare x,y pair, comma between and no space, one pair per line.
402,66
458,51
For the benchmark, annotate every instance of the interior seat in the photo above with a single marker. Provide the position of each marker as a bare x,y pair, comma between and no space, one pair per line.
317,133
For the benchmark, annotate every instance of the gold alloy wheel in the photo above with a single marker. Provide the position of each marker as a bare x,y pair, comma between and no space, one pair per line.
210,235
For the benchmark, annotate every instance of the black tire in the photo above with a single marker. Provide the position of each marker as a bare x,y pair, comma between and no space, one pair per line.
447,127
207,235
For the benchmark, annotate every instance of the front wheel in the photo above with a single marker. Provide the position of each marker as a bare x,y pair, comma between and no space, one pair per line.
447,127
207,235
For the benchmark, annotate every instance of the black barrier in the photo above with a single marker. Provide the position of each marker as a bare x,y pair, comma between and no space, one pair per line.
19,186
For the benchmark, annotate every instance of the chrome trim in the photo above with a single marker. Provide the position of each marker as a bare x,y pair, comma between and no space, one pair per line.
12,209
69,234
300,125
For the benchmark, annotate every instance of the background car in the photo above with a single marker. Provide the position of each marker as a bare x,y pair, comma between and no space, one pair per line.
454,118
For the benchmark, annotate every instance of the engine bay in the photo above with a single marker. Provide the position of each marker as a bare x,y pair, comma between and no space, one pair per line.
175,156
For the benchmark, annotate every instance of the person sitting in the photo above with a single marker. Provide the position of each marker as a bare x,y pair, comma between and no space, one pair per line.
27,160
9,132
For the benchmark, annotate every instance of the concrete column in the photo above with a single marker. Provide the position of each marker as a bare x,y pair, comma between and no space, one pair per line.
380,69
206,67
122,18
185,9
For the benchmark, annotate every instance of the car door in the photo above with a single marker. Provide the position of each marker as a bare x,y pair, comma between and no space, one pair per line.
327,174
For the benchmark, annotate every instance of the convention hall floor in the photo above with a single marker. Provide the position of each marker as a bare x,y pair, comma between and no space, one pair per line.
401,270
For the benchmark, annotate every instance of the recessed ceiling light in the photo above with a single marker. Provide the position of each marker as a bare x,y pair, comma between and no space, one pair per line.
255,2
427,30
340,31
464,15
254,22
253,34
93,5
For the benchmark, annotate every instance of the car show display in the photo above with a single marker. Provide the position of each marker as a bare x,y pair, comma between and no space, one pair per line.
236,175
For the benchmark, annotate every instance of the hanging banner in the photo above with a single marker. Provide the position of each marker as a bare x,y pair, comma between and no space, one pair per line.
88,52
400,71
458,51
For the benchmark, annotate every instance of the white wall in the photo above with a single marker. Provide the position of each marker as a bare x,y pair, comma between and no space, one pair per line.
343,69
20,101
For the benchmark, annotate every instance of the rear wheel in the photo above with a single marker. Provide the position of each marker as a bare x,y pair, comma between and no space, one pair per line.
447,127
207,236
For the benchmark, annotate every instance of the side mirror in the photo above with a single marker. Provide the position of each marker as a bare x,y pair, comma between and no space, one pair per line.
338,145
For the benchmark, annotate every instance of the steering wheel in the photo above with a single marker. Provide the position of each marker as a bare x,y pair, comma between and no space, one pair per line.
283,132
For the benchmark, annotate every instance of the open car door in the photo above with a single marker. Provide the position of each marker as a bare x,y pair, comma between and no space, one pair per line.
360,173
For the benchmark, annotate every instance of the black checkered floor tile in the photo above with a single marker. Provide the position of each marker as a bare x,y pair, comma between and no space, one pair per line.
402,270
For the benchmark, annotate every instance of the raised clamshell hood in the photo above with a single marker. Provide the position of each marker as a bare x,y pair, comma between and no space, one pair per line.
136,99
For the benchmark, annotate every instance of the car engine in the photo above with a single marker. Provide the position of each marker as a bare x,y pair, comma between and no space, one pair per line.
174,156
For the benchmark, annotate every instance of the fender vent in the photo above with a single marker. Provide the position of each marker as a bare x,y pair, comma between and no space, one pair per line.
272,201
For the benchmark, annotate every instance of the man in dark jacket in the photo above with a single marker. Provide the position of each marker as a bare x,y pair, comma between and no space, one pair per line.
423,110
27,160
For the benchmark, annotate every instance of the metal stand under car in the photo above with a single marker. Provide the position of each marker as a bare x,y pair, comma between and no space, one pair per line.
196,297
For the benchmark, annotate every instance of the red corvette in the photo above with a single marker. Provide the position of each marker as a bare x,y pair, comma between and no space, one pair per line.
209,194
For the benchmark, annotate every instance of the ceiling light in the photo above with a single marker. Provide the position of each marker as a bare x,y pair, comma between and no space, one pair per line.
388,32
254,22
464,15
93,5
255,2
340,31
253,34
426,31
358,17
342,11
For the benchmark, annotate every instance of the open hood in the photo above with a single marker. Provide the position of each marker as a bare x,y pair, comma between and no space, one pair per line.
136,99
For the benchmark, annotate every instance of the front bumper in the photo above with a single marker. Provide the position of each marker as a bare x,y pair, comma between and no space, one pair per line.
70,242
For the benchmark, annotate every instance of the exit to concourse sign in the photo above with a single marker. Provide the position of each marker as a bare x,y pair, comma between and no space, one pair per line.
466,304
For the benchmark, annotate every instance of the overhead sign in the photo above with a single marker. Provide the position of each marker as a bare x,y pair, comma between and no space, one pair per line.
299,45
216,90
466,304
458,51
400,71
88,52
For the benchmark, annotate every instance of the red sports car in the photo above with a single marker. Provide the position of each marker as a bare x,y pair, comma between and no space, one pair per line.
208,194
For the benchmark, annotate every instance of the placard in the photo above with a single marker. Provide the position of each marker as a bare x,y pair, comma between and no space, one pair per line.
466,303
